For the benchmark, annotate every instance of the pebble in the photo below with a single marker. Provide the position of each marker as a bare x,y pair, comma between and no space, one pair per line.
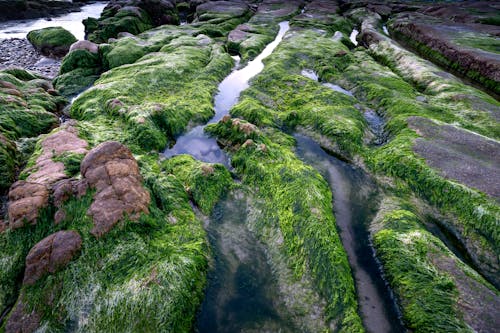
19,53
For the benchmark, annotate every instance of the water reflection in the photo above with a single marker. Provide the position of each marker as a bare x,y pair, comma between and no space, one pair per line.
196,142
71,22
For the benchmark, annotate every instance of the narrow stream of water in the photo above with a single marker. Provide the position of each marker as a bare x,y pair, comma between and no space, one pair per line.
71,22
196,142
242,295
355,203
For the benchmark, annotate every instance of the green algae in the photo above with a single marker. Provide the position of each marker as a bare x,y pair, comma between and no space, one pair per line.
206,183
476,215
297,201
274,98
51,39
162,93
428,295
8,162
156,266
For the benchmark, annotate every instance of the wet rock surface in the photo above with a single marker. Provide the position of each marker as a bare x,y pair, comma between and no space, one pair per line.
111,169
51,254
471,49
458,154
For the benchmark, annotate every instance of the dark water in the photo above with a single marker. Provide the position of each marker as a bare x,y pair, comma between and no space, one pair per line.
199,145
242,295
355,203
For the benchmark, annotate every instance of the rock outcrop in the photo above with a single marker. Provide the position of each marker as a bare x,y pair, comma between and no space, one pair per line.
52,41
28,197
26,201
112,170
51,254
21,320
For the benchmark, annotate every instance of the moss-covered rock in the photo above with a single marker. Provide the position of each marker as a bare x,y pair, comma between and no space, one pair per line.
206,183
130,16
8,162
437,291
161,93
79,69
52,41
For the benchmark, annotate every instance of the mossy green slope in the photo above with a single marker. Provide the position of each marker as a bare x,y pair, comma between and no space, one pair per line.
161,93
280,96
26,110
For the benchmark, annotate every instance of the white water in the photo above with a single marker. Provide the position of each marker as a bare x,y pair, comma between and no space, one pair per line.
71,22
199,145
384,28
353,36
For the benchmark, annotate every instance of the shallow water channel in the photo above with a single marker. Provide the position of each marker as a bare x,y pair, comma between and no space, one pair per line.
355,203
196,142
242,294
71,22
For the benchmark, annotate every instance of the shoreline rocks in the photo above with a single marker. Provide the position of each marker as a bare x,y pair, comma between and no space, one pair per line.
51,41
19,53
112,170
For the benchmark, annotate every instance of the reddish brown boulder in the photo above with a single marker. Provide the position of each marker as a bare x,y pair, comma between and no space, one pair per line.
25,201
63,141
22,321
112,170
50,254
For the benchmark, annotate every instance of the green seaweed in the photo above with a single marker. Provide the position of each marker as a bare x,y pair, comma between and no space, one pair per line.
297,201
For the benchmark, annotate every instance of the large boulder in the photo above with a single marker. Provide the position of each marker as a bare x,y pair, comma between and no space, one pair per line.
112,170
52,41
25,201
51,254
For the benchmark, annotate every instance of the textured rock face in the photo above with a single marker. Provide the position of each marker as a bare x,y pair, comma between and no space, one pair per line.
20,321
111,169
63,141
468,48
50,254
26,200
461,155
84,45
28,197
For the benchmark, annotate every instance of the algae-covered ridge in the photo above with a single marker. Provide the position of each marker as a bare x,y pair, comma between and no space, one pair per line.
143,80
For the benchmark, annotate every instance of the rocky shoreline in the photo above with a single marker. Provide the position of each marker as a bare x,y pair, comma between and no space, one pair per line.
19,53
104,233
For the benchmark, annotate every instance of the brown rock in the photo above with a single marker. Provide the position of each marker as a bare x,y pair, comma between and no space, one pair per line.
8,85
50,254
84,45
207,169
26,200
20,321
62,141
111,169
